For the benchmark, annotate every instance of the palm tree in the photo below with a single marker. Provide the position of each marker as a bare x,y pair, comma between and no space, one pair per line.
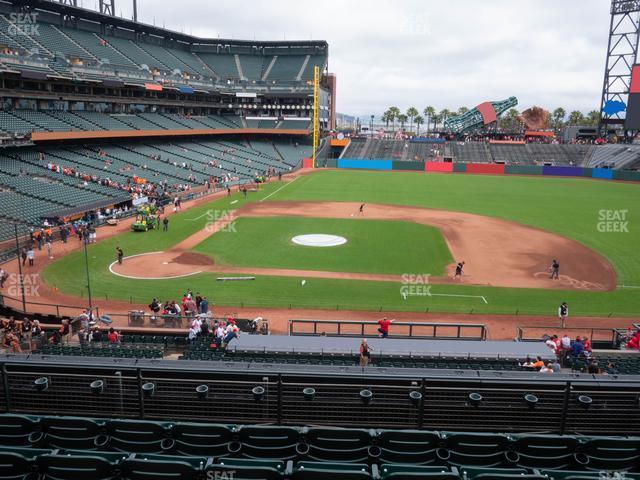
419,121
411,113
402,118
510,120
436,120
386,118
394,113
444,114
558,118
593,118
462,110
576,118
429,112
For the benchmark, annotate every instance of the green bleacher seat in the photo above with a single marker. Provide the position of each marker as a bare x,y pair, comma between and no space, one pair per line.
480,449
409,446
339,445
137,436
17,429
245,469
77,465
331,471
269,442
545,451
201,439
164,467
72,433
393,471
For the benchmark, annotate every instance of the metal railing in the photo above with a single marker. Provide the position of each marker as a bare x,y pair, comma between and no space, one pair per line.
600,337
416,330
156,389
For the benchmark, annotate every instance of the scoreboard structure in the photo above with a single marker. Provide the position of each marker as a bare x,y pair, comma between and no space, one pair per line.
632,122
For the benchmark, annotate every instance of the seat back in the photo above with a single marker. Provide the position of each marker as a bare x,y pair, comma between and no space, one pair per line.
209,440
339,445
16,429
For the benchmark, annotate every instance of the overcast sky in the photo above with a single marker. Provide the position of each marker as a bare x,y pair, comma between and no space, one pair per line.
445,53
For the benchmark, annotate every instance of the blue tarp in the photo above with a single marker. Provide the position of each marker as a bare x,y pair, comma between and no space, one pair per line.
365,164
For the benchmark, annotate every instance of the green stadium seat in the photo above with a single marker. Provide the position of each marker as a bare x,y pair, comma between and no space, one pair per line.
17,429
77,465
610,454
545,451
269,442
162,467
416,472
339,445
18,463
138,437
73,433
475,449
586,475
407,446
499,474
196,439
331,471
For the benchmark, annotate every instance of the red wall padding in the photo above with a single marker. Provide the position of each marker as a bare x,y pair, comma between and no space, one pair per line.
438,166
307,163
485,168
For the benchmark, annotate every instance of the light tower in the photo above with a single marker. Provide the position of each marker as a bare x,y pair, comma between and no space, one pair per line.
622,51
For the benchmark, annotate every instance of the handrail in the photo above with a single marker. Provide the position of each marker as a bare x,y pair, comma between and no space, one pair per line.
414,330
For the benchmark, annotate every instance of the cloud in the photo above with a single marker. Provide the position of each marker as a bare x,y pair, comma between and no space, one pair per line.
421,52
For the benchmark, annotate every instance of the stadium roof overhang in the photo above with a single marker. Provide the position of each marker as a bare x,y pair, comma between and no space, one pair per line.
96,17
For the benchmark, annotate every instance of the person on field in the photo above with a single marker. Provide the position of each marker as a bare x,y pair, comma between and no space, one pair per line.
361,210
383,329
555,269
165,224
563,313
120,255
365,353
31,255
459,268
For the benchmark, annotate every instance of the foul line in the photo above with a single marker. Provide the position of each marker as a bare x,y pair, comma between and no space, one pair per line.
147,278
457,295
276,191
199,217
629,286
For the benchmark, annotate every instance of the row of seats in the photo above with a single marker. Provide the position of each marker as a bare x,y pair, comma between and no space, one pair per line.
80,465
317,444
79,48
101,350
27,121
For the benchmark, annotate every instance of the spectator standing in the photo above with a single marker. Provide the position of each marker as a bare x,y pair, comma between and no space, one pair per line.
31,255
365,353
383,329
563,313
65,332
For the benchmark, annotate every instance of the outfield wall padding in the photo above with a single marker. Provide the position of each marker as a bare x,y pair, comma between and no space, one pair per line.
523,169
492,168
605,173
438,166
563,171
626,175
460,167
409,165
307,163
331,163
359,163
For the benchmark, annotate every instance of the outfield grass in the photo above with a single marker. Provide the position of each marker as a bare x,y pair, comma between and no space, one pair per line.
566,206
372,246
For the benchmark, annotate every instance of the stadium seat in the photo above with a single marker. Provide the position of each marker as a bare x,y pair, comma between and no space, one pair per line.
153,467
474,449
407,446
17,430
138,437
499,474
198,439
417,472
269,442
544,451
19,463
78,465
73,433
339,445
331,471
585,475
611,453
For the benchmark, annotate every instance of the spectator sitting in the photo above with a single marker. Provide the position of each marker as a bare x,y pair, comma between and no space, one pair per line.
593,368
548,368
555,366
577,348
611,369
113,336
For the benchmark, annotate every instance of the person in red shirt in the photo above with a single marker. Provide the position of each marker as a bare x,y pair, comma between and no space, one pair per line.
384,327
586,343
112,336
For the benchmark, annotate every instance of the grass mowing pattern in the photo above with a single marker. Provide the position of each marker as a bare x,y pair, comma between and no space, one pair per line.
566,206
373,246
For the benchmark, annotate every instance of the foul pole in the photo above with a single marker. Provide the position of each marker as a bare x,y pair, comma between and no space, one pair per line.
316,122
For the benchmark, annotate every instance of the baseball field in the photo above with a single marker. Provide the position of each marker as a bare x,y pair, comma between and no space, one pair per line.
399,254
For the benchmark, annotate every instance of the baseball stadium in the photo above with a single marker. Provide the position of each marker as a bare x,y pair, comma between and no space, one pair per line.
206,273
